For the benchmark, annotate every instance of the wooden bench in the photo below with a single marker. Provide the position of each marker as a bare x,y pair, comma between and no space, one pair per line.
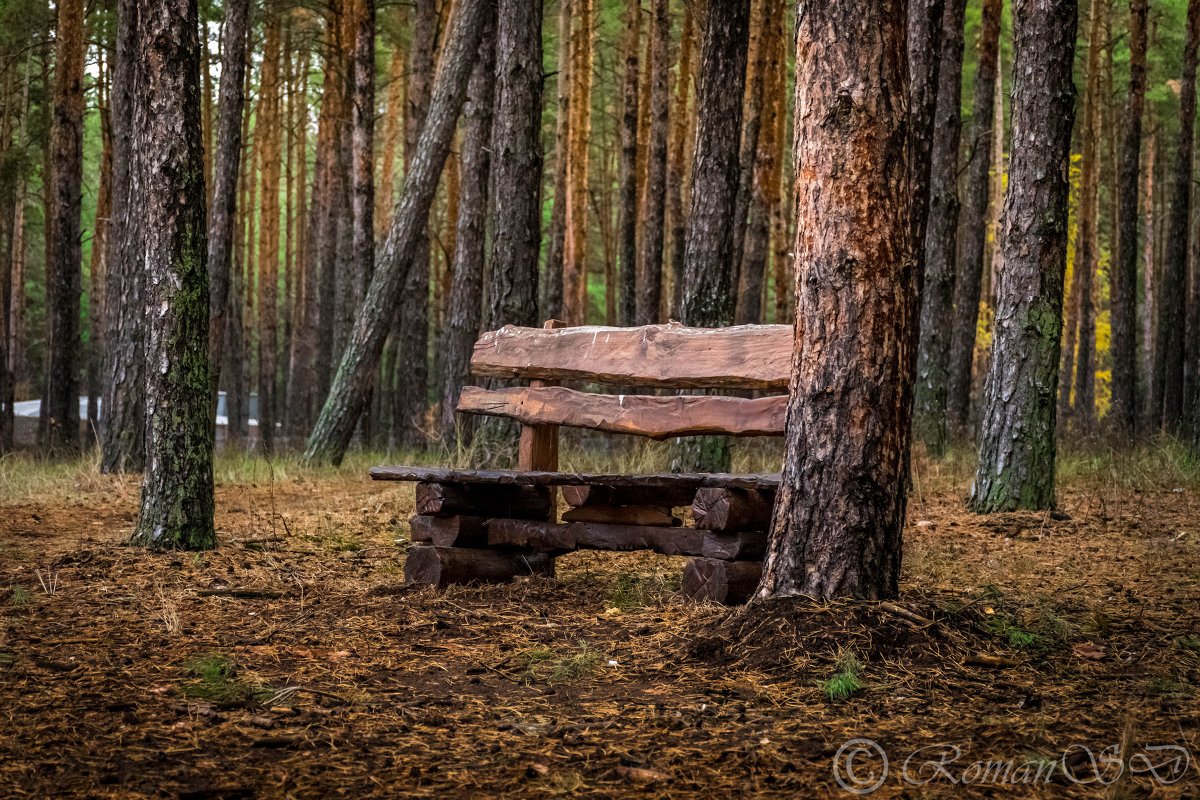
493,524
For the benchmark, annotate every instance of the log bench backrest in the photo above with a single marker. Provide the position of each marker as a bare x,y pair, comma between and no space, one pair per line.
671,356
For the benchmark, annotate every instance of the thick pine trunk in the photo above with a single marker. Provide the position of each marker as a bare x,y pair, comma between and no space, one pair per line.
941,238
226,169
627,174
840,510
351,386
60,402
177,490
1168,410
466,292
648,306
516,163
973,221
1017,433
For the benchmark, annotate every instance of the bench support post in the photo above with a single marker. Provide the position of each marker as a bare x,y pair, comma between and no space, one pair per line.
538,450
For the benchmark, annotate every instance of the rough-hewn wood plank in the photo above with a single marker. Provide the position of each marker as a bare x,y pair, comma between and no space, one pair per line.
456,531
744,546
729,510
658,417
594,536
482,499
672,355
665,496
429,565
512,477
659,516
729,582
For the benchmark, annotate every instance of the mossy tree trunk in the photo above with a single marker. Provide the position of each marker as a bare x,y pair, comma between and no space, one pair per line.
1017,432
839,514
177,489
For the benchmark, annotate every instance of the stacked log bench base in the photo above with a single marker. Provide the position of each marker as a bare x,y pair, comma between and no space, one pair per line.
499,527
494,525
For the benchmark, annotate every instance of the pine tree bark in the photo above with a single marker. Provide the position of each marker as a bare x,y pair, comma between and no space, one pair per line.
925,26
1017,433
973,222
1168,408
177,490
97,266
466,292
268,128
1149,284
412,372
840,509
227,162
363,141
627,173
941,238
551,298
677,160
752,110
575,251
648,305
359,363
60,415
516,164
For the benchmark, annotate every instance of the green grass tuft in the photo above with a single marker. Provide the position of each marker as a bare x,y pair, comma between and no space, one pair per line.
846,680
216,679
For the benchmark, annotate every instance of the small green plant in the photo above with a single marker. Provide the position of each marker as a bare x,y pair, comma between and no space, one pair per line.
20,597
542,663
1016,635
215,679
846,680
632,592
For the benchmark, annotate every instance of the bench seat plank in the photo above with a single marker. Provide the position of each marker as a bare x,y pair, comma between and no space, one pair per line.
644,415
664,356
513,477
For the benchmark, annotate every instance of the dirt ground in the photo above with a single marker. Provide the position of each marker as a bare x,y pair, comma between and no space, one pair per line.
1066,647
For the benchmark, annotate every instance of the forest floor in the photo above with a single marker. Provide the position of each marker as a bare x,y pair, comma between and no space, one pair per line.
1060,654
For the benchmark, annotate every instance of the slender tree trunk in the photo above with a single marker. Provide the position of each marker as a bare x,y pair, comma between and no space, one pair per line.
925,27
412,372
1149,282
941,238
1017,441
177,491
840,509
268,127
391,140
628,171
648,305
335,427
1170,347
1088,249
64,259
363,155
516,164
552,292
973,221
227,167
575,252
677,161
97,266
466,293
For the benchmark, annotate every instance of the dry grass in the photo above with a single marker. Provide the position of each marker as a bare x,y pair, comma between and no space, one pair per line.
1041,633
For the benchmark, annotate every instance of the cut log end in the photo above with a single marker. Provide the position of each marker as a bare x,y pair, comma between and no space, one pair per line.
728,582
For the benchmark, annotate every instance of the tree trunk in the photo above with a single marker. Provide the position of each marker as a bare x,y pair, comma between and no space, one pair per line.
60,413
227,166
973,221
335,427
412,372
575,251
941,238
628,171
648,306
466,293
1087,249
677,162
552,293
1150,283
363,147
1017,442
517,163
177,491
268,127
925,26
97,266
840,508
1169,350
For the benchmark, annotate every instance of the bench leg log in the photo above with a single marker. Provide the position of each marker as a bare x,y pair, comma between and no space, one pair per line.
729,582
430,565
